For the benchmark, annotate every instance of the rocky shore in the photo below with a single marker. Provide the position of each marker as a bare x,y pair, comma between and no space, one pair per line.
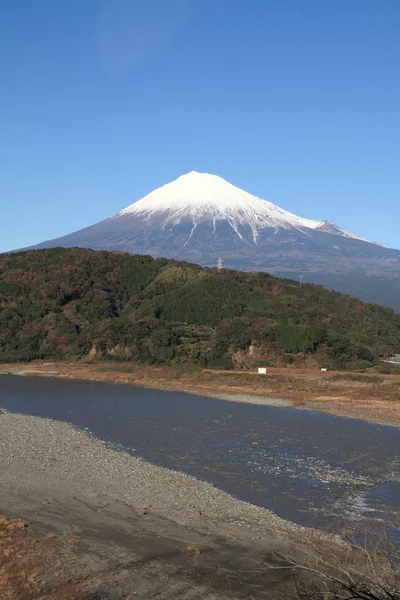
132,519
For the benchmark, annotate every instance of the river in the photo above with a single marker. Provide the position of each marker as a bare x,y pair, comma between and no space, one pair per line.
311,468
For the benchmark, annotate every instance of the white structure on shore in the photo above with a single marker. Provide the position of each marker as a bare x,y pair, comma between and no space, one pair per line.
394,360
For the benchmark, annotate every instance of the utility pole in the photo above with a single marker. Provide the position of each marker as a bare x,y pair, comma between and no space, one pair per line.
301,281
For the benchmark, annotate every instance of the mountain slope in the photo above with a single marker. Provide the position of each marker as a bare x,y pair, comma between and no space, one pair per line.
201,198
74,303
199,217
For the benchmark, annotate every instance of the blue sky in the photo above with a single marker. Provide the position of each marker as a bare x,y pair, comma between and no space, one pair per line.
296,101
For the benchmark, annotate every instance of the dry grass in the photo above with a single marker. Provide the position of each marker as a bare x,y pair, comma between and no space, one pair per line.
29,566
194,549
363,568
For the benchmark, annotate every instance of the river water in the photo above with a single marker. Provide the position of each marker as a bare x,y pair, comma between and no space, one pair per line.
313,469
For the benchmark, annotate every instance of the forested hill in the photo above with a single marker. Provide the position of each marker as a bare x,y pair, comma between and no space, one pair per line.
76,303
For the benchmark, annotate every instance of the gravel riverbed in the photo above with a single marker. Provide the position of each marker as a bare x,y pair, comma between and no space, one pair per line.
243,398
59,476
42,458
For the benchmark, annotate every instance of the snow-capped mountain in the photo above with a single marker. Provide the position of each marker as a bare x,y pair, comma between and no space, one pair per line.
204,198
200,217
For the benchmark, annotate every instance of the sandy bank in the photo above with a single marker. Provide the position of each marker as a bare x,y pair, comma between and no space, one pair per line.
245,398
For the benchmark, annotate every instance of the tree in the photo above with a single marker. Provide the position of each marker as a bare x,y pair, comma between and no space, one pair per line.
345,569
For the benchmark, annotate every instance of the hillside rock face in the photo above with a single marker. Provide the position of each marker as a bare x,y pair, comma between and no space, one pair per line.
200,217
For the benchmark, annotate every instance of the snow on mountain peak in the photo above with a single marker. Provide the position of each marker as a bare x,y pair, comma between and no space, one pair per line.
194,190
198,197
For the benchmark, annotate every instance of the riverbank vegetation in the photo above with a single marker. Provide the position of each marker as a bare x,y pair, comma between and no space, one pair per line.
365,567
77,304
33,566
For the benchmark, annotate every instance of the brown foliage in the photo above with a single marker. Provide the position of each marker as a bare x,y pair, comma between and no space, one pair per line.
27,566
348,569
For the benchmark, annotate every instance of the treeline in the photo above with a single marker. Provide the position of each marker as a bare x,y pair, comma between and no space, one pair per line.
75,303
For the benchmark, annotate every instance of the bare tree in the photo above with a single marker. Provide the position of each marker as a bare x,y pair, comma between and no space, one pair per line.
346,568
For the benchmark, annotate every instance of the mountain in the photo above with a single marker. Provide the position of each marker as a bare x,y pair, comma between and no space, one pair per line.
77,303
200,217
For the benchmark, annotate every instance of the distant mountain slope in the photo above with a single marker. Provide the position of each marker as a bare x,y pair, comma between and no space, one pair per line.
199,217
72,303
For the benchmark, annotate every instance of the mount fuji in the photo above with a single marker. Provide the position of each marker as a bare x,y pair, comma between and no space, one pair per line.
200,217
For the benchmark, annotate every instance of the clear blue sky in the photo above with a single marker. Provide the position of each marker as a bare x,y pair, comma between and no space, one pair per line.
101,101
